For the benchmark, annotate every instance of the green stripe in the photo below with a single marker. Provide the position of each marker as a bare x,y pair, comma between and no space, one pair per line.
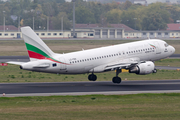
35,49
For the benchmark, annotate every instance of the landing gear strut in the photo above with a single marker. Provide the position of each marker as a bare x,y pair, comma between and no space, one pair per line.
92,77
117,79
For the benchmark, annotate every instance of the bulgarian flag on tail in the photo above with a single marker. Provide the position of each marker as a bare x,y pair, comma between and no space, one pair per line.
36,48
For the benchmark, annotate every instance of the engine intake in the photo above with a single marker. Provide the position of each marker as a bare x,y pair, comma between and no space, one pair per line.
143,68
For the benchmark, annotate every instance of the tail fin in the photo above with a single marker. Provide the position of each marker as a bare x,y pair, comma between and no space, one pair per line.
36,48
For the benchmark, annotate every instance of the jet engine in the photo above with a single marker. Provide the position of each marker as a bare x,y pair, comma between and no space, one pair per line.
143,68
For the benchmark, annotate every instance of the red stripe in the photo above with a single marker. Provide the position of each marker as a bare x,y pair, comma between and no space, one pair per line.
35,55
39,56
57,61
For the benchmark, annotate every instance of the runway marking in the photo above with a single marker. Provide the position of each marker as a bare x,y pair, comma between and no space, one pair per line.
166,83
90,93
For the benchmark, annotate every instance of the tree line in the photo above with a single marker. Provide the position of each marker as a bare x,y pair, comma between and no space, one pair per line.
155,16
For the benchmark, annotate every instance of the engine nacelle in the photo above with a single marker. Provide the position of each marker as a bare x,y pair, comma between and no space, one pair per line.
143,68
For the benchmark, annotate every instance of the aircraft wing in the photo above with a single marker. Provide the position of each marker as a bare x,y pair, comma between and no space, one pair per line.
118,64
123,63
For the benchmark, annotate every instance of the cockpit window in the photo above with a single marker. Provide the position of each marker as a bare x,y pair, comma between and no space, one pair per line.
166,45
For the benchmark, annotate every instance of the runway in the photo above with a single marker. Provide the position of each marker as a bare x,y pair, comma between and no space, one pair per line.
87,88
14,58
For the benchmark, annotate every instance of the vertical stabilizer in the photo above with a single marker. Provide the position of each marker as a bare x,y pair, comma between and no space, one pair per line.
36,48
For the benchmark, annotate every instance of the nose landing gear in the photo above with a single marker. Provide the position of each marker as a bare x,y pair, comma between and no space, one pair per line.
155,70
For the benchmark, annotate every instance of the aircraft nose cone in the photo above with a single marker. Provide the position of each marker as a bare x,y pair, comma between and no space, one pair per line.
172,49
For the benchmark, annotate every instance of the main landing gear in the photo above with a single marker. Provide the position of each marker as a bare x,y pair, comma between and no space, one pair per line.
92,77
117,79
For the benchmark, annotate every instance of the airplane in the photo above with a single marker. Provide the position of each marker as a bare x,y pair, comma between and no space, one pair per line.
137,57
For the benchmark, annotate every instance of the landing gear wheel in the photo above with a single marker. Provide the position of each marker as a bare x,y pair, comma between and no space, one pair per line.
155,71
92,77
116,80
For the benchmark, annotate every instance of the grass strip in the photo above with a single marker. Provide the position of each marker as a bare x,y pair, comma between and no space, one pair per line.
12,74
88,107
168,62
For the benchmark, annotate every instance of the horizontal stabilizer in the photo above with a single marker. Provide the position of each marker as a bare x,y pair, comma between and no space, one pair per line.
41,66
15,63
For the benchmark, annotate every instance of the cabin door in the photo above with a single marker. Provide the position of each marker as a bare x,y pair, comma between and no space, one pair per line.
62,64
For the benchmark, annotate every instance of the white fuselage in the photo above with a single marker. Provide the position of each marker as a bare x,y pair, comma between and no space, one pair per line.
84,61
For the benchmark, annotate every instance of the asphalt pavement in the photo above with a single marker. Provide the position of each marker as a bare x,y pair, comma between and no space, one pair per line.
86,88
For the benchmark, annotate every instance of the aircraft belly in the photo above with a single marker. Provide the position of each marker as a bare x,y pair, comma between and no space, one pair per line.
75,69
